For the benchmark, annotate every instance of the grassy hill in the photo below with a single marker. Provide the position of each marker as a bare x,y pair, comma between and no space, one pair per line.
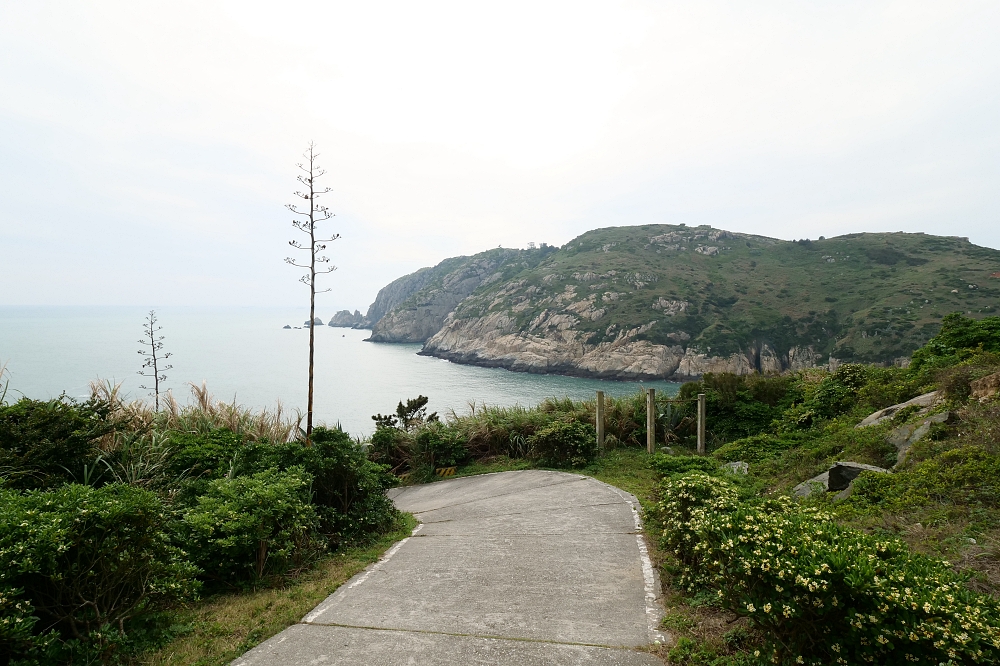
864,297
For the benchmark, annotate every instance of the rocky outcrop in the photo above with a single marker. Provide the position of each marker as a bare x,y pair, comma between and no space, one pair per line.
838,479
424,312
551,344
985,388
397,292
923,402
315,322
908,434
347,319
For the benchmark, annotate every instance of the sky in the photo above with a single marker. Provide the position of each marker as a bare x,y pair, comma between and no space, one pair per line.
147,149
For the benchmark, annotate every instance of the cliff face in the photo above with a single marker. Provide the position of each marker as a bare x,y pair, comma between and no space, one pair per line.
672,302
555,347
423,313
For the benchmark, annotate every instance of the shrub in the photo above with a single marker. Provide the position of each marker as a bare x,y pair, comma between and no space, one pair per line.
44,444
754,449
673,465
440,446
819,592
958,338
252,526
82,559
348,489
564,444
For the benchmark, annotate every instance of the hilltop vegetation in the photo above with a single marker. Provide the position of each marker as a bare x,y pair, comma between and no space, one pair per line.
669,300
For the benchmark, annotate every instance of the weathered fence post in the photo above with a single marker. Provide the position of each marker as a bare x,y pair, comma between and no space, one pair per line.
701,423
599,421
651,420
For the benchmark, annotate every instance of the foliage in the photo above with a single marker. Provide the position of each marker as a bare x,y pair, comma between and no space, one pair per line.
85,561
440,446
407,416
673,465
247,527
958,338
822,593
564,444
44,444
754,449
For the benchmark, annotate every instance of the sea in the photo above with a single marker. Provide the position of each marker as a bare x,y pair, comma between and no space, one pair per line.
245,355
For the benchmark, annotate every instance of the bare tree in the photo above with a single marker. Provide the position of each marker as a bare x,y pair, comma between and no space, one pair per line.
151,365
306,223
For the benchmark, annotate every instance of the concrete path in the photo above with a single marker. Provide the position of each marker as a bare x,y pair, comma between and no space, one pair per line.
526,568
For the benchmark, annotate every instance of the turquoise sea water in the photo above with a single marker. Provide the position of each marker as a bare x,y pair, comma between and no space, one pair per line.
244,354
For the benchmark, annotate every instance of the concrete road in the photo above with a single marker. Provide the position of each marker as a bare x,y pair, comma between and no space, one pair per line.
525,568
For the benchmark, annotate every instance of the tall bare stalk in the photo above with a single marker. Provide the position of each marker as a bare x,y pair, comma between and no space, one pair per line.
306,223
152,365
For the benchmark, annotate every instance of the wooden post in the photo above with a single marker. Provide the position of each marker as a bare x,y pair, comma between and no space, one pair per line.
701,423
651,421
599,421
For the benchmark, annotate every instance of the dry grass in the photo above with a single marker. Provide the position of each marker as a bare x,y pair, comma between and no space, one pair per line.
222,627
203,414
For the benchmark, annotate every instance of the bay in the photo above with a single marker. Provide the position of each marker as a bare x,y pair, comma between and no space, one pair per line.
246,356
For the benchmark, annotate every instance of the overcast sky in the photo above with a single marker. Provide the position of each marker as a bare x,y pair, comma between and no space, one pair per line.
147,148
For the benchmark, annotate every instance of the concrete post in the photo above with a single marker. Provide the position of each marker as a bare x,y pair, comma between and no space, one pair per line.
701,423
599,421
651,420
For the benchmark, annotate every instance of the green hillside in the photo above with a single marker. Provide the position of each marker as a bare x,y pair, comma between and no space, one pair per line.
865,297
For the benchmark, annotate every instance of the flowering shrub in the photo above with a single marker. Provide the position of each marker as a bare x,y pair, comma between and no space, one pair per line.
821,593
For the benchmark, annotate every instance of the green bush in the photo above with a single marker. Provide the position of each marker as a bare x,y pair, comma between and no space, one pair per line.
84,560
673,465
564,444
753,449
249,527
821,593
45,444
348,489
440,446
959,338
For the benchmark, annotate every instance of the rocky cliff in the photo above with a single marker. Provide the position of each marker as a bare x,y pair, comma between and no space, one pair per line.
669,301
347,319
442,288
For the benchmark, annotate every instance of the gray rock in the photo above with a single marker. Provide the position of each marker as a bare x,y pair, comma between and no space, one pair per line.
924,401
843,473
738,467
315,322
347,319
905,436
817,484
286,326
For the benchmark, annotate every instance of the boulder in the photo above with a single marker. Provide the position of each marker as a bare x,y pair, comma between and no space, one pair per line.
923,401
738,467
315,322
286,326
817,484
843,473
986,387
909,434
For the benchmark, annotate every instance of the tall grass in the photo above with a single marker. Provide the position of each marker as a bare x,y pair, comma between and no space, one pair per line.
203,414
495,431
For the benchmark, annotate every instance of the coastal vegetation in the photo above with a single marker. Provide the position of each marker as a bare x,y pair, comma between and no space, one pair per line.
116,517
901,568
